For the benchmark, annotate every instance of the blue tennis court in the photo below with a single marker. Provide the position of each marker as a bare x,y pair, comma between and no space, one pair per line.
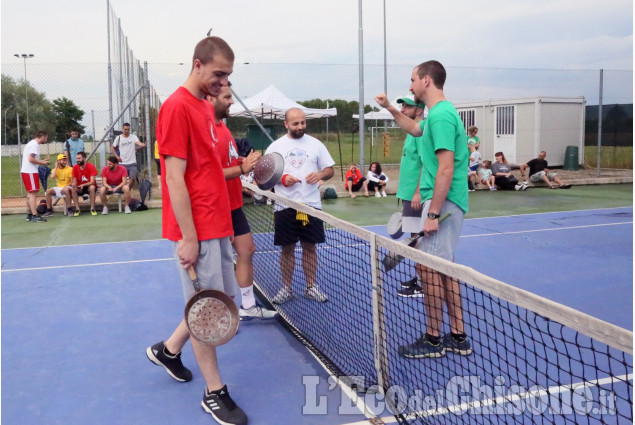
76,321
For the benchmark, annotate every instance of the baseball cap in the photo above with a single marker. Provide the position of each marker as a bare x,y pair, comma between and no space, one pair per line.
410,100
61,156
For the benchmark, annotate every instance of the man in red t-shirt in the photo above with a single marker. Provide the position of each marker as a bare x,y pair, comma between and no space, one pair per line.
114,179
84,182
233,167
196,213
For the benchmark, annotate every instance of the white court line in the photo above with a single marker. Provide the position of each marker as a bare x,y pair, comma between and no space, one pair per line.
81,244
545,230
549,212
88,265
464,407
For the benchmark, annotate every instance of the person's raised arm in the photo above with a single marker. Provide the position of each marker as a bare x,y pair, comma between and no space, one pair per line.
407,124
182,208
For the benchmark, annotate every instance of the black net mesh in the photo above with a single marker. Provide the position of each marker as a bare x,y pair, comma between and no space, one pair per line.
525,365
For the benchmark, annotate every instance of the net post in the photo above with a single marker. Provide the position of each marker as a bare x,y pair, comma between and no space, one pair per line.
380,354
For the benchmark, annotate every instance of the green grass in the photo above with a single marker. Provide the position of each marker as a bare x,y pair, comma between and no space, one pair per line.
610,157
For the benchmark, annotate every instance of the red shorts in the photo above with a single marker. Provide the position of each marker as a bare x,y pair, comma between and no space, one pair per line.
31,182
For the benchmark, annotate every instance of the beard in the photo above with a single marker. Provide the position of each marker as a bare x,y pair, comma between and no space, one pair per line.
80,163
296,134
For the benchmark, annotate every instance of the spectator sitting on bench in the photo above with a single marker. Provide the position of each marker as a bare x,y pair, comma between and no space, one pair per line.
84,182
64,175
538,171
114,179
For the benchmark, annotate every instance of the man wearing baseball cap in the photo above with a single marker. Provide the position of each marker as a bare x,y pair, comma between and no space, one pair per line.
63,174
408,190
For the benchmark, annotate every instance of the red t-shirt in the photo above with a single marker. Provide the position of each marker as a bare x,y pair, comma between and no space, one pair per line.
114,178
83,176
229,158
184,130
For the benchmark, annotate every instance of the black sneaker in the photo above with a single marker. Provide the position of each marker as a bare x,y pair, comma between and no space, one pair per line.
221,406
37,219
28,217
172,364
48,213
409,283
411,291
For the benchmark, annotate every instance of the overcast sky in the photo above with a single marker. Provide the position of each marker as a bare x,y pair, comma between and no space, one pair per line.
551,34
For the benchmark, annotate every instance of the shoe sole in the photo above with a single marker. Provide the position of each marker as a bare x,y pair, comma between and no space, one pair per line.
211,412
460,352
250,318
156,361
319,301
415,295
425,356
408,284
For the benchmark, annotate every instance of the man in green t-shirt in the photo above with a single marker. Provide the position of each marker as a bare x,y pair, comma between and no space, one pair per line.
408,191
443,189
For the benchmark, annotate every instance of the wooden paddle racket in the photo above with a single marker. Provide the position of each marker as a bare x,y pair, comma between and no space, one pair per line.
211,316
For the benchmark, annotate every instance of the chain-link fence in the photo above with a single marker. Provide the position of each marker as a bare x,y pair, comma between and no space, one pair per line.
86,85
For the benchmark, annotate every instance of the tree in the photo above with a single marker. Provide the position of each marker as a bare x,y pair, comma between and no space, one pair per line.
14,101
67,118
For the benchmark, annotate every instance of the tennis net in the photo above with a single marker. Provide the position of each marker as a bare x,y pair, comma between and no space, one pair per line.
532,360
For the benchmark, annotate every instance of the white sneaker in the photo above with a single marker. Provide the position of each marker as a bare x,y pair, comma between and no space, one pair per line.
105,210
314,293
256,312
283,295
518,186
377,195
127,210
383,193
523,186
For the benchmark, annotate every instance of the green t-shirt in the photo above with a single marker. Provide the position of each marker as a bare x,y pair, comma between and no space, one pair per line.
472,140
443,129
410,168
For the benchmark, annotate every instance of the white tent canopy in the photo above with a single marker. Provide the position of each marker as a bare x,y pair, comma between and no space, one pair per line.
272,103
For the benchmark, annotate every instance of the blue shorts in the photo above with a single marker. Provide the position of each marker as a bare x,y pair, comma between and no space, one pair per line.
444,242
473,167
215,268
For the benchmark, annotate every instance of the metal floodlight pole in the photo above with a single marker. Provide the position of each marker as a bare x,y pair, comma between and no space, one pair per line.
600,119
109,64
25,56
361,87
146,108
385,65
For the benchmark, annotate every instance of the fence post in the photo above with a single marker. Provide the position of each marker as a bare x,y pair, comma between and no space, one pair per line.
146,98
600,119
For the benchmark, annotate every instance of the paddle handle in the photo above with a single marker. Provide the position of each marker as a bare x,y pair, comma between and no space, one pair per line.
416,238
193,278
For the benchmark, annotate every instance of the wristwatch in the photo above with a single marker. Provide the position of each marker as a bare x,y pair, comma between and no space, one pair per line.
433,216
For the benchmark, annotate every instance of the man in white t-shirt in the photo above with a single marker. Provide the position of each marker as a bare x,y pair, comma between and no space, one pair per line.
127,144
30,161
306,162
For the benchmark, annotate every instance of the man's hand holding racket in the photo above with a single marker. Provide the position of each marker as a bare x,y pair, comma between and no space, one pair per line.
187,252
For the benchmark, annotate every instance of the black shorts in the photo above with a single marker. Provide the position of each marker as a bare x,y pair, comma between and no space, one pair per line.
355,187
119,191
239,222
289,230
85,190
158,162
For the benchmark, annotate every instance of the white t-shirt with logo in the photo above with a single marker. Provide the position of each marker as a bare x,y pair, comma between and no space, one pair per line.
33,147
302,157
127,148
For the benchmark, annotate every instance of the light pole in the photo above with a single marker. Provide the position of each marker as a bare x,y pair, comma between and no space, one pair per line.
26,86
